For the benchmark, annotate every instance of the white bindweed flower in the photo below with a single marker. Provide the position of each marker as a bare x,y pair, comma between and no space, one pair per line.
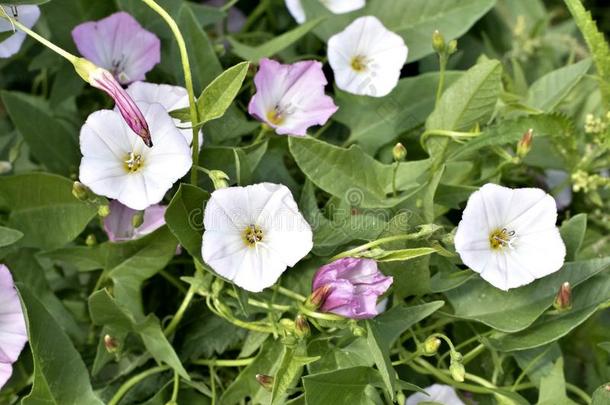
253,233
170,97
13,333
436,393
116,163
295,7
509,235
367,58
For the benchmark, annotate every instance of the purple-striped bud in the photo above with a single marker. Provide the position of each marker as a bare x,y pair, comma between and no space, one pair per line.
353,287
105,81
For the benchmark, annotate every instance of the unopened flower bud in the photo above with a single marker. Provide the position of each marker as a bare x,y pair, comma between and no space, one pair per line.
317,298
356,329
457,370
266,381
80,191
91,240
103,210
431,346
563,300
438,41
5,167
138,219
102,79
525,144
452,47
302,328
219,178
399,152
111,344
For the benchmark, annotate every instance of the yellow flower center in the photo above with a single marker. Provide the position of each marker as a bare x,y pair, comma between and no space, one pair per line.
276,116
252,235
134,162
501,238
359,63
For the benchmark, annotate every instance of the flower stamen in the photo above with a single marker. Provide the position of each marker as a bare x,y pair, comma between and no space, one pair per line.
501,238
252,235
134,162
359,63
277,115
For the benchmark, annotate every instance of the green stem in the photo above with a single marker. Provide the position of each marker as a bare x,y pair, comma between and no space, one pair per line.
575,390
132,382
42,40
289,293
320,315
446,133
173,280
180,312
175,389
224,363
264,305
442,58
213,383
188,80
395,171
468,357
378,242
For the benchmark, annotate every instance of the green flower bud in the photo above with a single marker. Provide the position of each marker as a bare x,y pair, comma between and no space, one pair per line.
452,47
266,381
80,191
563,300
138,219
317,298
91,240
525,144
302,328
399,152
219,178
431,346
457,370
111,344
103,210
438,41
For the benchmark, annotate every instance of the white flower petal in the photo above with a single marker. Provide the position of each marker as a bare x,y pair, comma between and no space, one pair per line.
13,333
295,8
106,144
521,225
383,51
443,394
286,236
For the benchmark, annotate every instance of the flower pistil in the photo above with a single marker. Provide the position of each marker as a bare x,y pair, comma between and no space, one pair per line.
501,238
252,235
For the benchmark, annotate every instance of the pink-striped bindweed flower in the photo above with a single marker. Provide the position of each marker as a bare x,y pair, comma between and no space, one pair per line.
119,225
102,79
13,333
351,287
290,98
119,44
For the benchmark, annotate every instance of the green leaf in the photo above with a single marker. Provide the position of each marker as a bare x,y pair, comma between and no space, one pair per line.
377,121
9,236
245,385
347,386
395,321
31,2
51,142
60,376
573,234
537,363
42,207
237,163
512,130
400,255
352,175
597,45
551,89
601,396
414,20
83,258
184,217
470,100
587,298
381,355
106,311
207,335
130,263
515,310
553,387
277,44
289,371
218,95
